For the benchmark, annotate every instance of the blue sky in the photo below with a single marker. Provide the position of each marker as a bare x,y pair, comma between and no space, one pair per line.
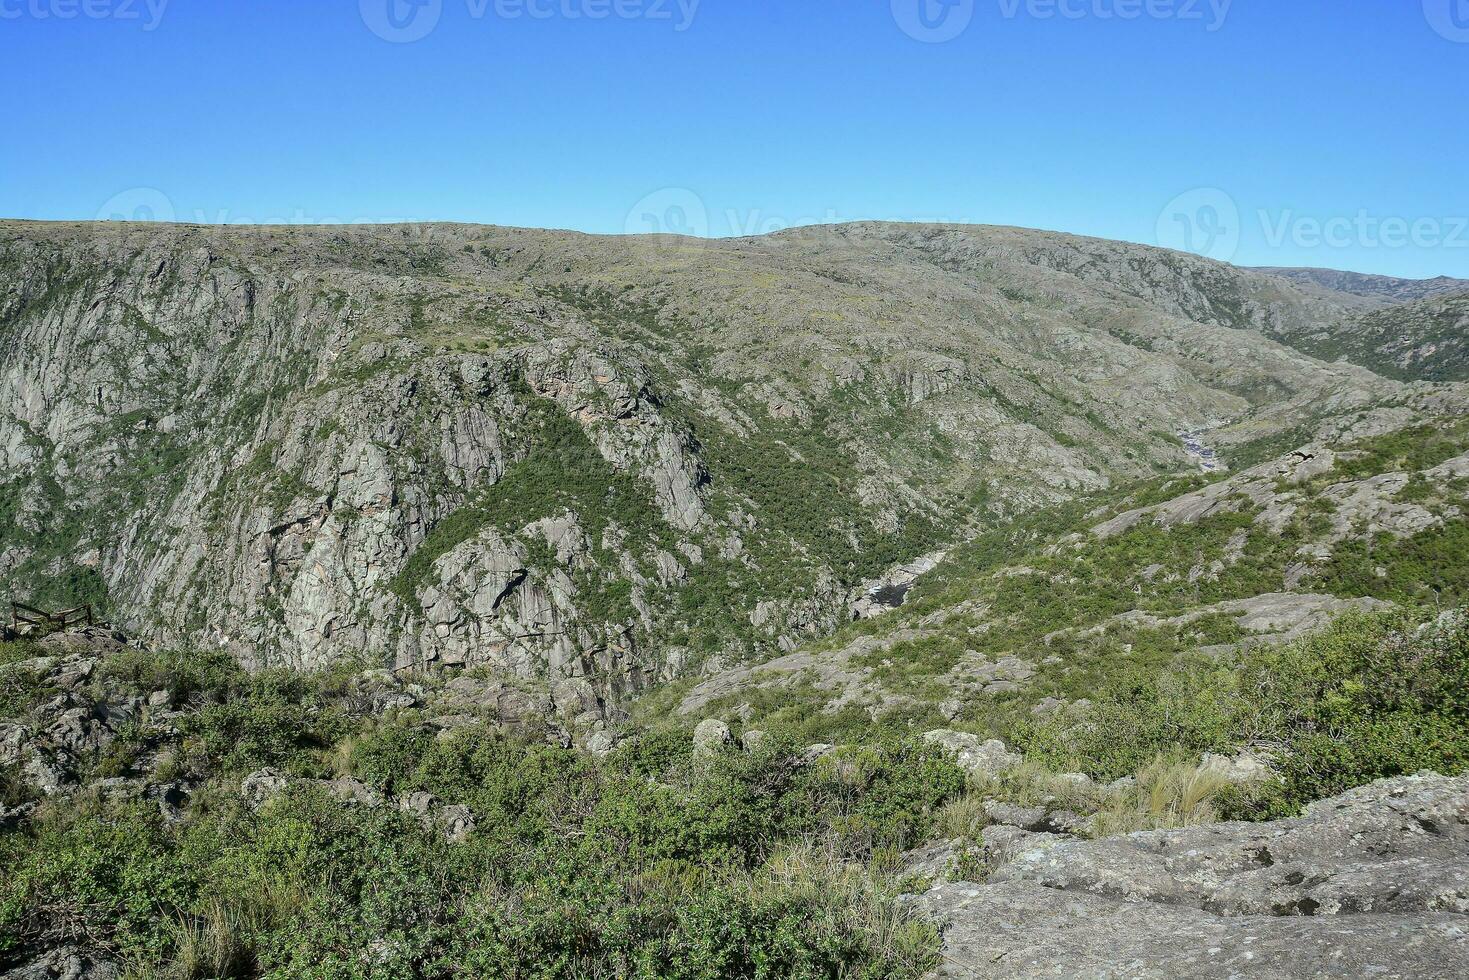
1267,132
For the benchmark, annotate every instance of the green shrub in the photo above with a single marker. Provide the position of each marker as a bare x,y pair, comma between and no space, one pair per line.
274,718
1369,697
576,868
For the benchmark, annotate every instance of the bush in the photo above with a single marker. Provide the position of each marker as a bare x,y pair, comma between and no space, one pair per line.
275,718
1371,696
649,863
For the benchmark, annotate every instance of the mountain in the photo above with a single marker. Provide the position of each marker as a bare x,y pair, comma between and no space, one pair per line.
1417,341
1384,289
495,602
588,460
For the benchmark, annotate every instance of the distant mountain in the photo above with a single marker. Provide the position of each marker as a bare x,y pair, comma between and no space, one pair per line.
830,564
591,461
1426,340
1385,288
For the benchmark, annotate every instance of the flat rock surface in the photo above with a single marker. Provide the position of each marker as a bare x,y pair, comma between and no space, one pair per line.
1374,883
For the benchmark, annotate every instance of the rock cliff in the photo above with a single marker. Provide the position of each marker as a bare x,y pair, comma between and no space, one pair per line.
587,461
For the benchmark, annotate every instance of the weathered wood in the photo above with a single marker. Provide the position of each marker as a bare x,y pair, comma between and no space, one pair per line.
25,615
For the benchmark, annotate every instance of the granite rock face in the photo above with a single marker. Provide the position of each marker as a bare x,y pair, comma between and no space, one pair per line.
1372,883
560,456
976,756
66,963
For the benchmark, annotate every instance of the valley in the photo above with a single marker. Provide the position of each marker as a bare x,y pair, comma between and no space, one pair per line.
540,604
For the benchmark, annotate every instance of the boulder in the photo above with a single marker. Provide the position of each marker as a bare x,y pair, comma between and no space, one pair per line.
64,963
1244,768
264,785
1372,883
710,737
979,758
601,743
350,790
457,821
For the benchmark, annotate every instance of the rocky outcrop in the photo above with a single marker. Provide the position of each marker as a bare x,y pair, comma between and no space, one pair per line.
76,711
65,963
555,455
710,737
979,757
1372,883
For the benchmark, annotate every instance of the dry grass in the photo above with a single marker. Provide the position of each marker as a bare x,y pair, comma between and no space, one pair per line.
964,817
218,943
845,900
214,945
1168,794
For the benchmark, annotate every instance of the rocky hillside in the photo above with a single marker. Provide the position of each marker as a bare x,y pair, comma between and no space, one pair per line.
505,603
588,461
1385,290
1035,615
1419,341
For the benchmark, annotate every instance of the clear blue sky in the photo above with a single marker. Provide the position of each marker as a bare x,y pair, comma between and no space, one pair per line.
754,114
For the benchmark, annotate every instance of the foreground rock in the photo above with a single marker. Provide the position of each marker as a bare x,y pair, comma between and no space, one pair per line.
1372,883
67,963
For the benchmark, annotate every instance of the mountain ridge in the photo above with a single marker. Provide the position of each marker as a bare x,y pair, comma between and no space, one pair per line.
527,603
314,442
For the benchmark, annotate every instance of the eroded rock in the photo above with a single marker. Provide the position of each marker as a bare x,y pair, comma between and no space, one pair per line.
976,756
1372,883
